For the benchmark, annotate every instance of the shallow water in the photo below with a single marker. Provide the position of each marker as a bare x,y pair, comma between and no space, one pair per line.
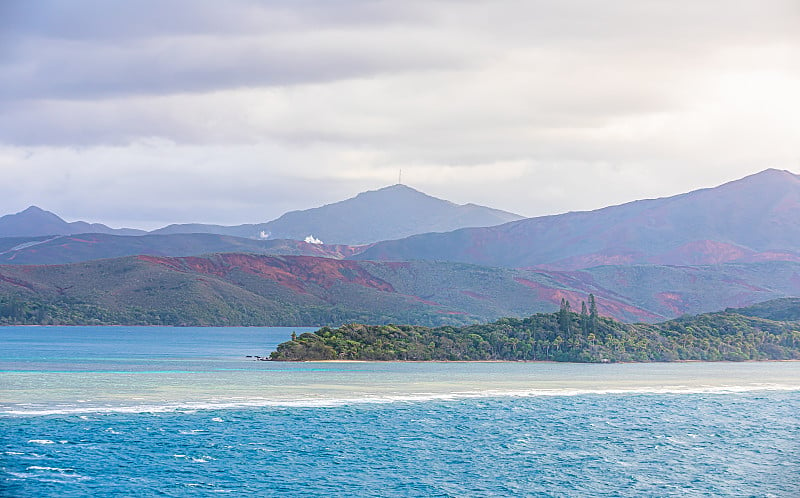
174,412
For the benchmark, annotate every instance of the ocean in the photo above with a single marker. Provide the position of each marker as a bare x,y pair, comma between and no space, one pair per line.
157,411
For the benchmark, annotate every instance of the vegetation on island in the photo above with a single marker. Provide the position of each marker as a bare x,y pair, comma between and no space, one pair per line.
562,336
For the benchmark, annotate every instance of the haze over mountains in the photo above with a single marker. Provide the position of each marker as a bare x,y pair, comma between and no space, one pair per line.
389,213
35,221
733,245
752,219
48,250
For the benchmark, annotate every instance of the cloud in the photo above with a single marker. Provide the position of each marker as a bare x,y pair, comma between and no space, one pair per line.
179,111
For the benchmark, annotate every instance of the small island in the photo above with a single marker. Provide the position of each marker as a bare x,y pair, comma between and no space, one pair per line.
768,331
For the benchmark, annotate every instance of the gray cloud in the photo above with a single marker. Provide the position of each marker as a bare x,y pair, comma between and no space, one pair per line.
153,112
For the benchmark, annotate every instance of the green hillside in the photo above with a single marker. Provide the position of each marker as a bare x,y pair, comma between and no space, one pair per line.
249,289
786,309
561,336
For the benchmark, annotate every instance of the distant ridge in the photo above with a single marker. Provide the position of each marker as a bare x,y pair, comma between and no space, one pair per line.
756,218
249,289
388,213
35,221
62,249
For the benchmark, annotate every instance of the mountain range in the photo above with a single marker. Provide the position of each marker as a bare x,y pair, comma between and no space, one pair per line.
389,213
753,219
732,245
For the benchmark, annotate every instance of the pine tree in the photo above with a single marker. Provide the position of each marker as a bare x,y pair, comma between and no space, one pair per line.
564,317
584,318
592,314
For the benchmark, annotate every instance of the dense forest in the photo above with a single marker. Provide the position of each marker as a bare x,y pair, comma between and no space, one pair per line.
47,310
562,336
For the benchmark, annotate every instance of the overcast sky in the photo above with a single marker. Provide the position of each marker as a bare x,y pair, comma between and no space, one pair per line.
151,112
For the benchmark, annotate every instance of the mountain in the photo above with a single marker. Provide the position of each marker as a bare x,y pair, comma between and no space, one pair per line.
54,250
388,213
756,218
35,221
249,289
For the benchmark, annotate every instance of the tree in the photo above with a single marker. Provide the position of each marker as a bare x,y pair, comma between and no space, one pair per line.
564,318
592,314
584,318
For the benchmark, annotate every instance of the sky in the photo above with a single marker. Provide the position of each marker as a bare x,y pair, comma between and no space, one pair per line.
145,113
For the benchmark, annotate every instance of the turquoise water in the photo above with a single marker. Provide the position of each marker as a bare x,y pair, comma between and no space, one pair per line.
118,411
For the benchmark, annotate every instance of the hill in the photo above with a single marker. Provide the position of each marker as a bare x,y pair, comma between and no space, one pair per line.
90,246
786,309
250,289
561,336
753,219
35,221
388,213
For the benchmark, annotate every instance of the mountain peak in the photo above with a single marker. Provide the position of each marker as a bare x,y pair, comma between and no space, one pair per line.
35,221
36,214
774,172
397,188
390,212
32,209
768,182
770,174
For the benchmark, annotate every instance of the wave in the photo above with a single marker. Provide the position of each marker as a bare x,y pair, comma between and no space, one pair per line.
317,402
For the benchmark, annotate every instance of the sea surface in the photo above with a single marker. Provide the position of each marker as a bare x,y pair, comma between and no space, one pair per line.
157,411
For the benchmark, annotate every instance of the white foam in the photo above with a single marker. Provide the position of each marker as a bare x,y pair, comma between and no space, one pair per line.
190,407
50,469
41,441
200,459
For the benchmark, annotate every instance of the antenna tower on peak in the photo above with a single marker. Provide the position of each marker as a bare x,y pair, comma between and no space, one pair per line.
400,177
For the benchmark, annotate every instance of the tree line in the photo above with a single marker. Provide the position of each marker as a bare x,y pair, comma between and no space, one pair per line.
561,336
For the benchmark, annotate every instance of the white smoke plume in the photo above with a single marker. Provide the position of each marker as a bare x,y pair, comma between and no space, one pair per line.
312,240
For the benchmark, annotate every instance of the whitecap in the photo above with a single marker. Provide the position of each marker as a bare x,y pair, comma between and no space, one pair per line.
51,469
41,441
192,431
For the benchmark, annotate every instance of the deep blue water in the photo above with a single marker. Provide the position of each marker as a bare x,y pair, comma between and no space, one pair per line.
224,424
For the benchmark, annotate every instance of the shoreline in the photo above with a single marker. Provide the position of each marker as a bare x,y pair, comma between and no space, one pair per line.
537,361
